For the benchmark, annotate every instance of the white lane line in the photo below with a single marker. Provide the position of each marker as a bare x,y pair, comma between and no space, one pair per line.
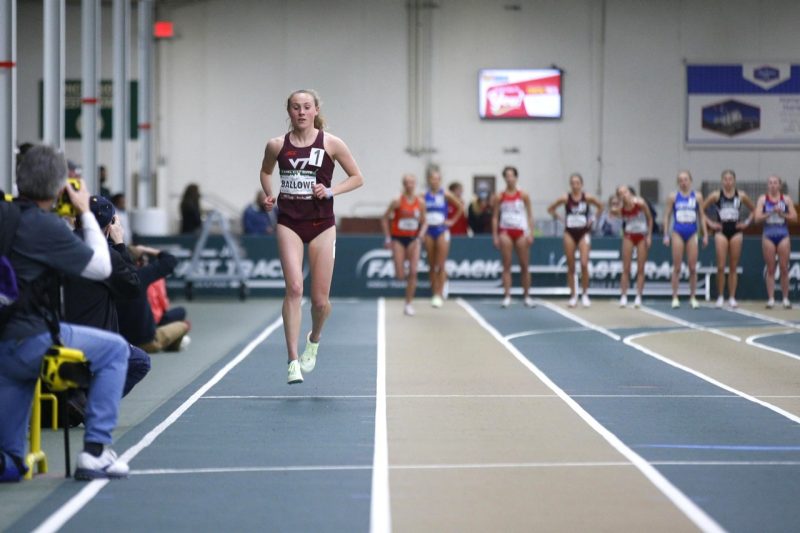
524,396
454,466
579,320
700,518
688,324
485,396
751,340
292,397
247,470
380,517
765,318
542,332
59,518
630,342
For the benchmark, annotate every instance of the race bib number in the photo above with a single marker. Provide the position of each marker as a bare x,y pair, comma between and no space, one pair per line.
774,218
729,214
686,216
637,225
298,183
315,158
435,218
408,224
512,220
576,221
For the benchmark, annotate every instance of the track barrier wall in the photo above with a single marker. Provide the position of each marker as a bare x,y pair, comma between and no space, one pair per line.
364,268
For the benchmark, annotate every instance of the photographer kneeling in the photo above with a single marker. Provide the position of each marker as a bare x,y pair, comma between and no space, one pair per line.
42,249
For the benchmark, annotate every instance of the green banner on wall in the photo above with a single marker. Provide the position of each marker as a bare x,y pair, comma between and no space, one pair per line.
72,110
364,267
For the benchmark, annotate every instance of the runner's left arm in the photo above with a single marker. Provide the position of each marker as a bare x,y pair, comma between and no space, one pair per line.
598,205
526,199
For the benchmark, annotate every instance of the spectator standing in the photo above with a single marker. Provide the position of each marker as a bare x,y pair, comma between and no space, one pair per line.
609,223
191,215
457,212
103,177
480,211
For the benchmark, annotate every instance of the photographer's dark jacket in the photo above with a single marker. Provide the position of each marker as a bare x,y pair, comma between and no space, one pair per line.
136,321
92,303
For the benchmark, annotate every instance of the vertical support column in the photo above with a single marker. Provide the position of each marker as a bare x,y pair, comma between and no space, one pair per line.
121,104
145,101
420,71
8,110
90,89
53,74
599,53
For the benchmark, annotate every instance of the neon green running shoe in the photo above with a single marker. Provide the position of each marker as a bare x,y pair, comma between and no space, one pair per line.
308,359
295,376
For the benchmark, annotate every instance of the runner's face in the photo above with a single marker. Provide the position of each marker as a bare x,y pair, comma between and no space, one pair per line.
728,181
511,179
409,185
575,184
624,193
434,180
773,186
302,111
684,181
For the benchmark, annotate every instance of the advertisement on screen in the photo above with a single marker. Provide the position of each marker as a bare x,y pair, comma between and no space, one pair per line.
519,93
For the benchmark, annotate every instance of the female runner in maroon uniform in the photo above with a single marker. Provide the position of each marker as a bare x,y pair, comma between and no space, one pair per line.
577,233
305,158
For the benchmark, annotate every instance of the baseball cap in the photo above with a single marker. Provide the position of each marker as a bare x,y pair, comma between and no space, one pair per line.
102,209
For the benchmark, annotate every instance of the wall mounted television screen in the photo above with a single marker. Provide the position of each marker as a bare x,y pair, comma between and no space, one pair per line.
519,93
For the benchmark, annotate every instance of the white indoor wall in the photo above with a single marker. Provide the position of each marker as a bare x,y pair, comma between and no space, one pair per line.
471,35
223,81
30,16
231,68
646,45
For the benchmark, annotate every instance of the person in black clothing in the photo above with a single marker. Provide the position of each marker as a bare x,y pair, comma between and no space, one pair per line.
92,303
135,316
191,216
480,212
102,175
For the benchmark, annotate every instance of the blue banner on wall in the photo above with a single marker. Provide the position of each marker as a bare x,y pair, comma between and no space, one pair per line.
743,104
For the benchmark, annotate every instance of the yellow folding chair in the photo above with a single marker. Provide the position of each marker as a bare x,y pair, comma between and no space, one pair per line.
62,369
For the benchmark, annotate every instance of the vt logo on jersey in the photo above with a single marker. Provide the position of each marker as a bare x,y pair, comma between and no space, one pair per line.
314,159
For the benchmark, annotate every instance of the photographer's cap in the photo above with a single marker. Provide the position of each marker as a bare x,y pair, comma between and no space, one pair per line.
102,209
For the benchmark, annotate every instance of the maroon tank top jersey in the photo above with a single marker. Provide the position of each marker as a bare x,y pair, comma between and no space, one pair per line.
300,169
577,218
